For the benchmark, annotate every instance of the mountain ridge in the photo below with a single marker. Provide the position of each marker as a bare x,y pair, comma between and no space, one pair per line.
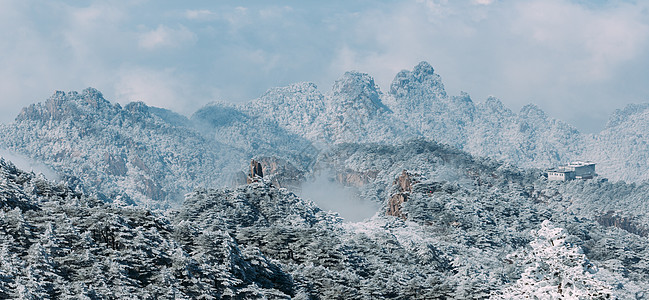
296,123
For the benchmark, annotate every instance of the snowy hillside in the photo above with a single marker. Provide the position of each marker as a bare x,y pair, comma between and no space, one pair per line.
468,228
623,146
57,243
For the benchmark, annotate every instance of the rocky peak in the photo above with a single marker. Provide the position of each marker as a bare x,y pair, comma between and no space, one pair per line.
137,107
93,97
281,173
300,88
62,105
531,111
358,90
304,95
622,115
90,98
493,106
422,81
463,97
401,187
423,69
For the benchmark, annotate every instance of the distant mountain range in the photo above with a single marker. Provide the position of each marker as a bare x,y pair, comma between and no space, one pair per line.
141,153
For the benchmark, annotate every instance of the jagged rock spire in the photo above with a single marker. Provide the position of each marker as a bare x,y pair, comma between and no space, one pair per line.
256,172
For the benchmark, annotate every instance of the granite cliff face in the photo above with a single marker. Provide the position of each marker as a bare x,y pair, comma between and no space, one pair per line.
402,187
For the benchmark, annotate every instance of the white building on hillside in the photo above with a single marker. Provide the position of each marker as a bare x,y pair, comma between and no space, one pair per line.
573,170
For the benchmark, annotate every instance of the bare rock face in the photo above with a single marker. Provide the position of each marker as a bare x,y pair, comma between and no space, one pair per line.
402,187
256,172
353,178
627,224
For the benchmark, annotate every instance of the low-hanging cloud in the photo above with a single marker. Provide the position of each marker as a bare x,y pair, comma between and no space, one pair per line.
29,165
331,195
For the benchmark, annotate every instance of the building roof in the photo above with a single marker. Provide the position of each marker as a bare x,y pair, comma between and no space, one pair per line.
580,163
571,166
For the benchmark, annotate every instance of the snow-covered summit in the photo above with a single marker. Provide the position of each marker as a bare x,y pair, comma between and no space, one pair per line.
63,105
357,91
422,81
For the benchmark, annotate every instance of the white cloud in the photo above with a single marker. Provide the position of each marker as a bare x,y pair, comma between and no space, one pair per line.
275,12
165,88
200,14
589,42
163,37
29,165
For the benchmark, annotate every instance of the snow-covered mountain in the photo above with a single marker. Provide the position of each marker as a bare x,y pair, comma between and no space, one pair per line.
149,154
417,105
623,146
145,154
352,112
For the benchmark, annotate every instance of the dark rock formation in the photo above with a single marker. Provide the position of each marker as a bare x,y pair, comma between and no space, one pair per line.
402,187
625,223
256,172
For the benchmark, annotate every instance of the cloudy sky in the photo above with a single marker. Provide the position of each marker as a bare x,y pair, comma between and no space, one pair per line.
578,60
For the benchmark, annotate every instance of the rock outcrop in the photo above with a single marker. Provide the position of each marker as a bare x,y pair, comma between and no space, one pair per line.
402,187
256,172
281,173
